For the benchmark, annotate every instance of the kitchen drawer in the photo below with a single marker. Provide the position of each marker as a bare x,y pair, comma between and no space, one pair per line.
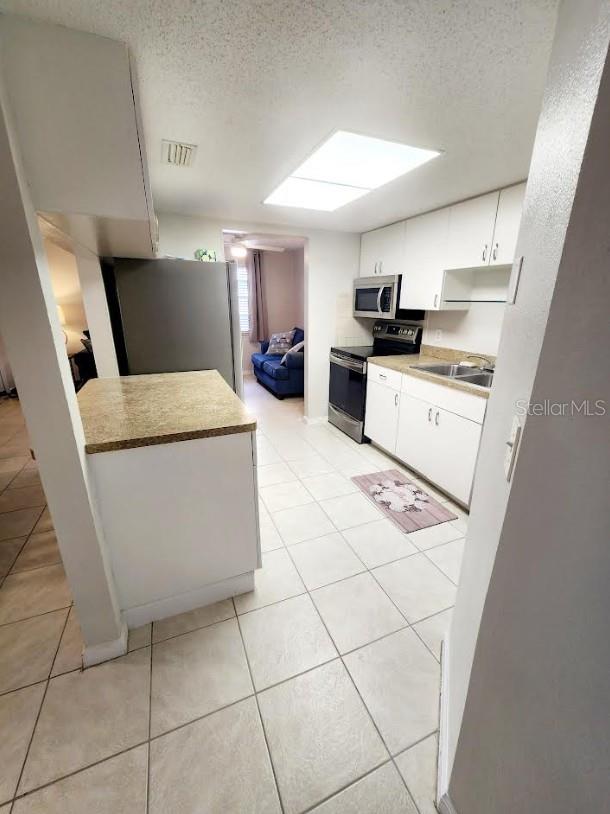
459,402
382,375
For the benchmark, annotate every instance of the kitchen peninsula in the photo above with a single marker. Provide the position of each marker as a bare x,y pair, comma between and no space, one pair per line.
172,461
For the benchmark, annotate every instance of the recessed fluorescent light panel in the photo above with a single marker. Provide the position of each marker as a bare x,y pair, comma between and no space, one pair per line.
344,168
307,194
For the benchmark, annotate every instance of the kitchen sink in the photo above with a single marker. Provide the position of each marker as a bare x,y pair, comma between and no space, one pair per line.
483,379
463,373
447,370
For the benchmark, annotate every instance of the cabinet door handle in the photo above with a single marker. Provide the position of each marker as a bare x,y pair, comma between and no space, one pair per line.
381,266
375,272
396,399
430,414
436,418
435,300
383,376
484,255
495,252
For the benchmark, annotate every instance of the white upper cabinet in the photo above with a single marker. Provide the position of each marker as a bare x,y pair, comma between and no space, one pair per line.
444,257
72,100
471,230
507,225
425,249
382,251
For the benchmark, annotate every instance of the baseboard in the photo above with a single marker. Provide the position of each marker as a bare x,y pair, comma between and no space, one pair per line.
97,653
443,800
170,606
313,421
445,806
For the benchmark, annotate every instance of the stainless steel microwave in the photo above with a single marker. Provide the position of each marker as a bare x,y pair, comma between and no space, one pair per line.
376,297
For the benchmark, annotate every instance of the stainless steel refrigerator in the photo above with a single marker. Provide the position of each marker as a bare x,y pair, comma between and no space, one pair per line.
175,315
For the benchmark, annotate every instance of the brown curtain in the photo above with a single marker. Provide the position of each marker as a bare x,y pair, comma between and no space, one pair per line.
257,304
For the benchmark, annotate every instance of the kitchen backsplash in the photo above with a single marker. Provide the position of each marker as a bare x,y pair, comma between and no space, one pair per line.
475,330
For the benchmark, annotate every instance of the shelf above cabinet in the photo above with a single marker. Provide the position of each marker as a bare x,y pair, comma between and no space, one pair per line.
462,287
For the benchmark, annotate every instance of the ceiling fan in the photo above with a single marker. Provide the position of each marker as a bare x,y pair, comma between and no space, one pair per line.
238,242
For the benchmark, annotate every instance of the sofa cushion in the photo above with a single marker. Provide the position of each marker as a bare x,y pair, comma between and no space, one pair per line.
299,336
294,351
275,369
281,342
294,361
258,359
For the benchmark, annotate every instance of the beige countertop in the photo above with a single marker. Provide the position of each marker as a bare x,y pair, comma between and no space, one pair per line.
159,408
430,356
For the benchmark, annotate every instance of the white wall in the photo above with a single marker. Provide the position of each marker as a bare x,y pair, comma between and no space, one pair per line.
283,287
67,290
182,235
331,264
528,650
476,330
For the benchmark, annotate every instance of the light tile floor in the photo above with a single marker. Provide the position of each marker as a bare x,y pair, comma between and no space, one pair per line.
318,691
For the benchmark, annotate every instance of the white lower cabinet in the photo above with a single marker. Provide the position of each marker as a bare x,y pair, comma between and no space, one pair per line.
432,428
439,444
381,421
415,434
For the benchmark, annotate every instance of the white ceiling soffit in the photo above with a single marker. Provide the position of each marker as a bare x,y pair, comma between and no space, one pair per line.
258,85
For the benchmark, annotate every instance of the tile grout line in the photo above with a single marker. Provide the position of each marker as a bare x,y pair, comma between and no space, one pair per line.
25,542
382,739
33,567
438,568
260,717
345,787
407,626
42,700
150,681
345,667
79,770
370,571
21,508
36,615
237,617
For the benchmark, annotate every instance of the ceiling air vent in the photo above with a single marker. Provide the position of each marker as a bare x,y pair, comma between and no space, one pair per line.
178,153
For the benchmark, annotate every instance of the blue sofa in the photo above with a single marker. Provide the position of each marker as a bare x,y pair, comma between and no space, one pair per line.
281,380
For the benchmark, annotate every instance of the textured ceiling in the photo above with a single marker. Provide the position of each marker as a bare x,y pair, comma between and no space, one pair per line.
257,85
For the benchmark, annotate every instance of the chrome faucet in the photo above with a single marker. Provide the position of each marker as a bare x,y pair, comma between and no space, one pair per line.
489,364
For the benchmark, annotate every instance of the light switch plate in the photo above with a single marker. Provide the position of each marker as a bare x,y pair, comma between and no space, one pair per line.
512,446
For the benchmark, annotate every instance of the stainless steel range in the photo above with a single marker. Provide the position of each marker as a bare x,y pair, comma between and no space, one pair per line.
347,389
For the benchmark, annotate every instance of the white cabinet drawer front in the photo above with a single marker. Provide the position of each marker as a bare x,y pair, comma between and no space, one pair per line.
381,375
381,419
456,401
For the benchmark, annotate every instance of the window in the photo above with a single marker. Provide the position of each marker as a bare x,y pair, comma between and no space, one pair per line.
242,299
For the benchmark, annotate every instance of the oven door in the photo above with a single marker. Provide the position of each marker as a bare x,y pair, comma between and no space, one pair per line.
347,390
375,297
